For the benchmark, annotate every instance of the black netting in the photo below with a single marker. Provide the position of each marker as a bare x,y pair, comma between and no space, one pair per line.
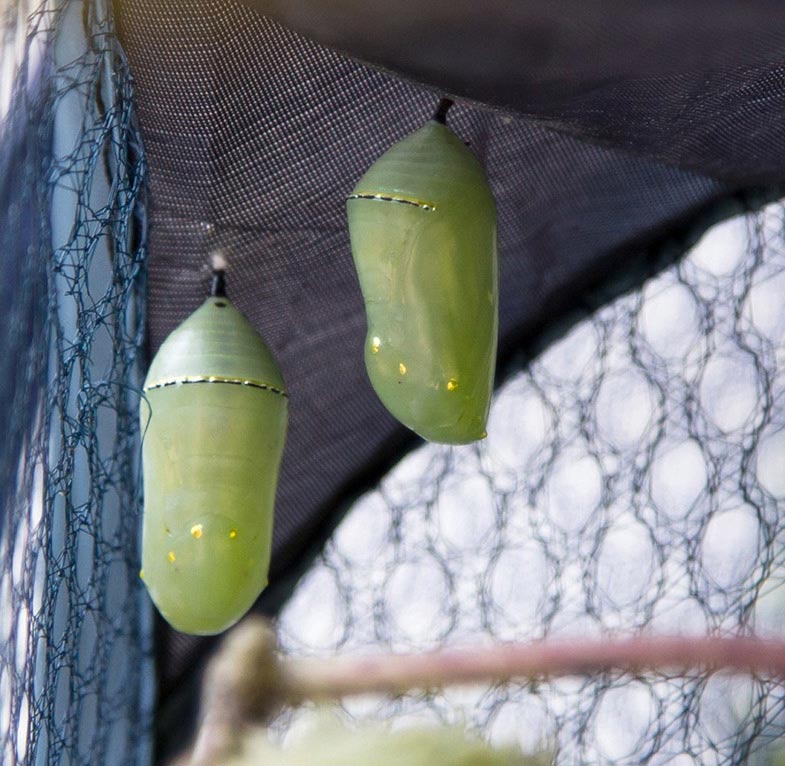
633,480
698,85
75,675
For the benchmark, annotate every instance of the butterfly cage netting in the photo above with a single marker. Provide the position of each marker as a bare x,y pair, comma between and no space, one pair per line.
633,477
75,634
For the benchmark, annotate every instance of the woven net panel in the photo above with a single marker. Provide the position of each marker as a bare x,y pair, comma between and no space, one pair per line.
75,678
633,481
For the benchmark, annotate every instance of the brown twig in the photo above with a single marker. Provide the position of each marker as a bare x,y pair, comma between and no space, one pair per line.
242,685
395,674
247,681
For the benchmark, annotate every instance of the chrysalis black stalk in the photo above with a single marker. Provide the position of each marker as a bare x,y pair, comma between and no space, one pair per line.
441,111
218,284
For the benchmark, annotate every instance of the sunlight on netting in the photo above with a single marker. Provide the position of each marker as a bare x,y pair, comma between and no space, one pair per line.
633,480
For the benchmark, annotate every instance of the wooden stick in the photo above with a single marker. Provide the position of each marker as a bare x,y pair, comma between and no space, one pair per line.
247,681
310,679
242,685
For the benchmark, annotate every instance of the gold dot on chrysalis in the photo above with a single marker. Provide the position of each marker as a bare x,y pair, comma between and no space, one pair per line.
402,368
141,574
232,534
375,344
171,557
196,530
452,384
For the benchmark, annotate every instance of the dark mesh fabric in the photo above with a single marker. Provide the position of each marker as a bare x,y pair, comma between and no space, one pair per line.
624,134
699,84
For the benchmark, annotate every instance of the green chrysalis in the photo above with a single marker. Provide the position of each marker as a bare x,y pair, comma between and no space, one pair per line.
214,424
422,222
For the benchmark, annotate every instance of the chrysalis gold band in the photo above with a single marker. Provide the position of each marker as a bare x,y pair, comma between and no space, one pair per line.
185,379
394,198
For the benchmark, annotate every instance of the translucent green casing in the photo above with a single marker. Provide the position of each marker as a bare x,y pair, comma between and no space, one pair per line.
422,223
214,425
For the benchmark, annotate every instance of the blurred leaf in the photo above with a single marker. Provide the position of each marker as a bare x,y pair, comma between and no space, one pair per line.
776,756
333,744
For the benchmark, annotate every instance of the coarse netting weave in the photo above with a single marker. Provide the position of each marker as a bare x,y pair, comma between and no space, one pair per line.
633,480
75,674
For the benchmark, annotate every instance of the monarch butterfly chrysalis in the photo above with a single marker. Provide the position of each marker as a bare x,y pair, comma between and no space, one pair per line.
422,222
214,424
